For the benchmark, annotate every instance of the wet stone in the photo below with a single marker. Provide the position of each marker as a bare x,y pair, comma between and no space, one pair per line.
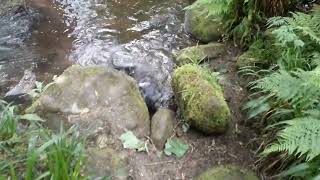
162,125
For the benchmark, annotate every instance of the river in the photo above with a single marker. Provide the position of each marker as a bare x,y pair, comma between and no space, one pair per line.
138,37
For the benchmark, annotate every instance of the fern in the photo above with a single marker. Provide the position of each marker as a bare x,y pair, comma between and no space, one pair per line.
298,90
214,7
300,137
296,28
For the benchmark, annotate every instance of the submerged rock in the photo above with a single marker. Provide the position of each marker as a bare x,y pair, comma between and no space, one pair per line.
162,125
200,99
201,27
197,54
227,173
98,99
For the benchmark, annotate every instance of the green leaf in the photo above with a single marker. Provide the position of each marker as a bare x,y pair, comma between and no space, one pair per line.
31,117
174,146
130,141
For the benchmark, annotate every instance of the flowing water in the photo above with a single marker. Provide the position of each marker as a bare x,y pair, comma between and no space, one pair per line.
138,37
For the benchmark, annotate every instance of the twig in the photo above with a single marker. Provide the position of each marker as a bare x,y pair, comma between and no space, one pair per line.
158,163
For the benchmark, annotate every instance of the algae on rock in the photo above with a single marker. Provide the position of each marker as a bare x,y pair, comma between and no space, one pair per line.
227,173
199,53
200,99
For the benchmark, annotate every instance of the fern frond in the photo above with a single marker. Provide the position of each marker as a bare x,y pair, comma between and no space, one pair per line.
300,137
301,89
214,7
295,28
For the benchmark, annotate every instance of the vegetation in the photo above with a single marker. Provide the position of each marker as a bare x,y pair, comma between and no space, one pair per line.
29,150
244,19
287,98
286,85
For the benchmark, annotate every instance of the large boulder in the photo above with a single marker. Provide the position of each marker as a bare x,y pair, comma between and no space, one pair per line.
227,173
199,25
99,99
197,54
162,125
200,99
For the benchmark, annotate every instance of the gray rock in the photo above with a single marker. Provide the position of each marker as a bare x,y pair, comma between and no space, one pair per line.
162,125
100,100
25,85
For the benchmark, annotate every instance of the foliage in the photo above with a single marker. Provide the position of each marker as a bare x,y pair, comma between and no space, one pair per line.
287,97
300,36
285,94
9,120
40,88
299,137
29,150
215,7
130,141
174,146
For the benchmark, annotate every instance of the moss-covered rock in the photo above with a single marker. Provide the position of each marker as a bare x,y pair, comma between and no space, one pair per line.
262,52
200,99
197,54
227,173
201,27
97,99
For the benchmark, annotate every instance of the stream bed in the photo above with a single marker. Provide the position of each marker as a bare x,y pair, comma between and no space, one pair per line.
138,37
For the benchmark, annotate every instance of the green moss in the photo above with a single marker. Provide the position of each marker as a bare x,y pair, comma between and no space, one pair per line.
197,54
200,99
203,28
227,173
263,52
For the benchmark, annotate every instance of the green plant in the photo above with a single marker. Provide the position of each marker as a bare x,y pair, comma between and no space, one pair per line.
65,155
299,35
300,138
31,151
40,88
285,94
9,120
